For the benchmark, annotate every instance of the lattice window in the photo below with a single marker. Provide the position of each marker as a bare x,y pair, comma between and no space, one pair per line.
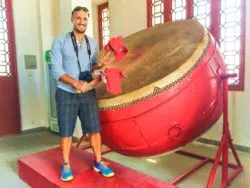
104,31
157,12
230,35
202,12
4,46
105,26
178,10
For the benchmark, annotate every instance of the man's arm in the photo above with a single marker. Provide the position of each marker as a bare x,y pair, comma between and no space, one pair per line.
73,82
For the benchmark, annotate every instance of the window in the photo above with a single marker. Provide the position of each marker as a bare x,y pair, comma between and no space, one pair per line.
178,10
225,19
157,12
4,45
103,24
202,12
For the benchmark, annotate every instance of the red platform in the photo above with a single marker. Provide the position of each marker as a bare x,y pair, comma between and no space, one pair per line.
42,170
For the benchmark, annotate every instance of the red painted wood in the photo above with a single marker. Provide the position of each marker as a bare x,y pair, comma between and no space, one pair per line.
215,20
167,10
149,13
9,96
100,8
189,9
43,170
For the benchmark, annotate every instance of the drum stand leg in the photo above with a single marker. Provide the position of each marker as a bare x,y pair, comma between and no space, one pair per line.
87,146
225,143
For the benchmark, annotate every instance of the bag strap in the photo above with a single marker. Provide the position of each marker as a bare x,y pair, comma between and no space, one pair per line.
73,38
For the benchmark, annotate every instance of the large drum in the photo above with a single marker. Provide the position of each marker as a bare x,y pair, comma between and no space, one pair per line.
172,92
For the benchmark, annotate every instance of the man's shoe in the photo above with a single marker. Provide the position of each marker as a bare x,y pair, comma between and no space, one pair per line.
103,168
66,173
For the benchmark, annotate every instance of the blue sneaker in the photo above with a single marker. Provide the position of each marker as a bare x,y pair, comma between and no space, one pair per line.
66,173
103,168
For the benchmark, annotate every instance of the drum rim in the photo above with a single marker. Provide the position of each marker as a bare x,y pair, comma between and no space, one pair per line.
161,85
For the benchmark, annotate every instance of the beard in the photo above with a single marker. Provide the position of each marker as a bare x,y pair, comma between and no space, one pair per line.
82,31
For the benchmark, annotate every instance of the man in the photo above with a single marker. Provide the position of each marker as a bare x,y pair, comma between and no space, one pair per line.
74,57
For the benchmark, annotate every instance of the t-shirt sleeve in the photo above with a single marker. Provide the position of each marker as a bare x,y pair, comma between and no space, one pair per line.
56,60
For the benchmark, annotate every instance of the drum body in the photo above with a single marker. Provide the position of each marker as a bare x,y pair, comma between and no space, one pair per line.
172,92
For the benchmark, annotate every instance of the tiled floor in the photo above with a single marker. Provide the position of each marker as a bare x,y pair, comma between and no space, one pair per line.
164,167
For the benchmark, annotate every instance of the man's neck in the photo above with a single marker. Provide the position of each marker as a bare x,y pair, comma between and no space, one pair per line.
78,36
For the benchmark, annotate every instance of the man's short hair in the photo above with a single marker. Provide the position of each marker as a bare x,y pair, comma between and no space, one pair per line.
79,8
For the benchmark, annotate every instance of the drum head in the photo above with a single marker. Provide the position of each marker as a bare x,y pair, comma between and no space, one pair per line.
153,55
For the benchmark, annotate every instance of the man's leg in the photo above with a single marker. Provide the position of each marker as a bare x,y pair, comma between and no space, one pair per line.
99,165
65,147
67,109
90,119
95,141
66,172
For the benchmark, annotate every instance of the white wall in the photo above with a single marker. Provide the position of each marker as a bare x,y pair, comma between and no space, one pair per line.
127,16
32,83
64,7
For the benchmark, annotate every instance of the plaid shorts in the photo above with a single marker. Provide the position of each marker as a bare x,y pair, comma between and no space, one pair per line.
70,105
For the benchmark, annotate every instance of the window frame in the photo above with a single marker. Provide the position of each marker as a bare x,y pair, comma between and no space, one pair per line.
101,7
214,29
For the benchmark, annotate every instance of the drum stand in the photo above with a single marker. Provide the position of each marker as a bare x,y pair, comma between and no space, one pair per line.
225,143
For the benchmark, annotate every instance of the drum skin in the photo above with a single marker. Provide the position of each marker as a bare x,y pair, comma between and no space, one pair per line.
172,115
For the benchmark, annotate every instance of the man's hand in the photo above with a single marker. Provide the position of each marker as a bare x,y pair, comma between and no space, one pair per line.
81,87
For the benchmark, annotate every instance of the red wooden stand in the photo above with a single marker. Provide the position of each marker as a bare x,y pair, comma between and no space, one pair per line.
225,143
